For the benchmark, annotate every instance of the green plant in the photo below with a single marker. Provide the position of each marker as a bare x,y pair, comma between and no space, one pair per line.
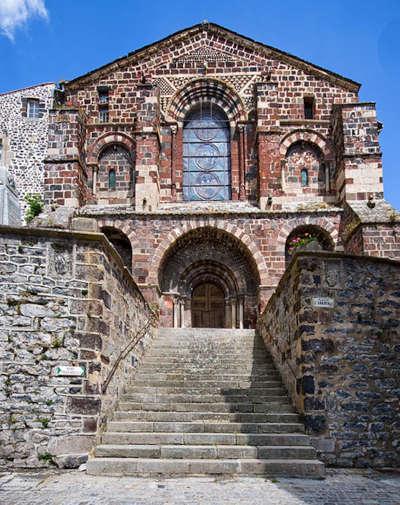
44,421
49,403
57,342
46,457
300,240
35,205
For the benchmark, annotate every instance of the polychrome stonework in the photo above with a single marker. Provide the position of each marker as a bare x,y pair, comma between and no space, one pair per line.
207,160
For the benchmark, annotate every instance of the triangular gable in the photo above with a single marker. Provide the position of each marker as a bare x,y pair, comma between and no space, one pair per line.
150,50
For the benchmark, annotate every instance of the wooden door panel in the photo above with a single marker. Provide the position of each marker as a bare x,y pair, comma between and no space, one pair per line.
208,306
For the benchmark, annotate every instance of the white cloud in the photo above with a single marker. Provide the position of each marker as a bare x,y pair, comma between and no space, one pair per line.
15,13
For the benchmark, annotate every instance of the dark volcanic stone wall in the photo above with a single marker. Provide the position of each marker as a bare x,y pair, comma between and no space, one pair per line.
65,300
341,364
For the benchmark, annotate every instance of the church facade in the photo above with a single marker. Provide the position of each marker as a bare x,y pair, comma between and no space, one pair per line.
215,257
204,155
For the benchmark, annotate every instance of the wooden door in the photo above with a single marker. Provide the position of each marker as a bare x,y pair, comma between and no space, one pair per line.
208,307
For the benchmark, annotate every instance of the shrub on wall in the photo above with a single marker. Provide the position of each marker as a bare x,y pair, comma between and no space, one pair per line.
35,206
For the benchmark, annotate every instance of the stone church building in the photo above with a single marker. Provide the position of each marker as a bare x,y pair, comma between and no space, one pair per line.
241,189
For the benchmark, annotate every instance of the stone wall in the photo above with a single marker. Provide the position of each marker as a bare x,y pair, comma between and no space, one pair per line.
263,235
65,300
332,327
261,89
24,139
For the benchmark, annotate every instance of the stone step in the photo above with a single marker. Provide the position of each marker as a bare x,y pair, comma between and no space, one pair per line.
202,427
202,372
274,395
140,415
273,387
210,345
189,359
256,439
203,333
282,405
168,467
211,384
196,377
205,452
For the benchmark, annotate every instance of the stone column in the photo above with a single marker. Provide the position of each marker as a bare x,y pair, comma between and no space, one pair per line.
182,313
228,313
174,130
95,171
242,162
147,183
233,321
241,312
188,312
176,313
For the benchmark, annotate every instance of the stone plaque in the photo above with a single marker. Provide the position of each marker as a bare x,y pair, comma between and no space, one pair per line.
323,302
60,259
69,371
10,212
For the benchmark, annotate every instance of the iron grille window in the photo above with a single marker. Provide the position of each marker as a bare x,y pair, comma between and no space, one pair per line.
206,154
103,114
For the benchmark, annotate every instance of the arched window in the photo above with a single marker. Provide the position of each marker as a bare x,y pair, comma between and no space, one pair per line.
112,181
304,177
206,154
307,237
305,168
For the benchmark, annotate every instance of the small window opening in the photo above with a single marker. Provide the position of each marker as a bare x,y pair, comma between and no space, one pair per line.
308,107
32,108
103,103
327,174
103,114
304,177
112,180
1,150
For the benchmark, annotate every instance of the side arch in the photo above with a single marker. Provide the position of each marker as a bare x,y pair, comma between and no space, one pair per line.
322,223
309,136
119,138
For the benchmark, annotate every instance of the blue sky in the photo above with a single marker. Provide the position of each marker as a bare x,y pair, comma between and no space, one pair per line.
52,40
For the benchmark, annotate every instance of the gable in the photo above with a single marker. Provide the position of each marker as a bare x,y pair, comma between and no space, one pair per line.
206,46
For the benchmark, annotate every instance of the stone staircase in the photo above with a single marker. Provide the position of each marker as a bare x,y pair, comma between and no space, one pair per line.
205,401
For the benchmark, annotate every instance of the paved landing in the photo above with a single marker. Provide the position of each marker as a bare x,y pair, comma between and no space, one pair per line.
341,487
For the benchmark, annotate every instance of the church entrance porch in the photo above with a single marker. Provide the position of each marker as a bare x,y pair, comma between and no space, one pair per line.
208,278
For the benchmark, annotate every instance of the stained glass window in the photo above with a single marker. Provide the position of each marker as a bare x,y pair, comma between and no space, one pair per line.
206,154
111,179
304,177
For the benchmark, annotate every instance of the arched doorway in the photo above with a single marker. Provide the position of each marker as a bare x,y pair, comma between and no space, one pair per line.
208,306
208,278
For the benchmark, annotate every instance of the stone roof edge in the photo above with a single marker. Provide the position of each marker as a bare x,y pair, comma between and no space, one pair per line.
27,87
289,58
26,231
217,213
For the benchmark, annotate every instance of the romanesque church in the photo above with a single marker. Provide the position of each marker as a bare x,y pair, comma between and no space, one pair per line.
212,286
